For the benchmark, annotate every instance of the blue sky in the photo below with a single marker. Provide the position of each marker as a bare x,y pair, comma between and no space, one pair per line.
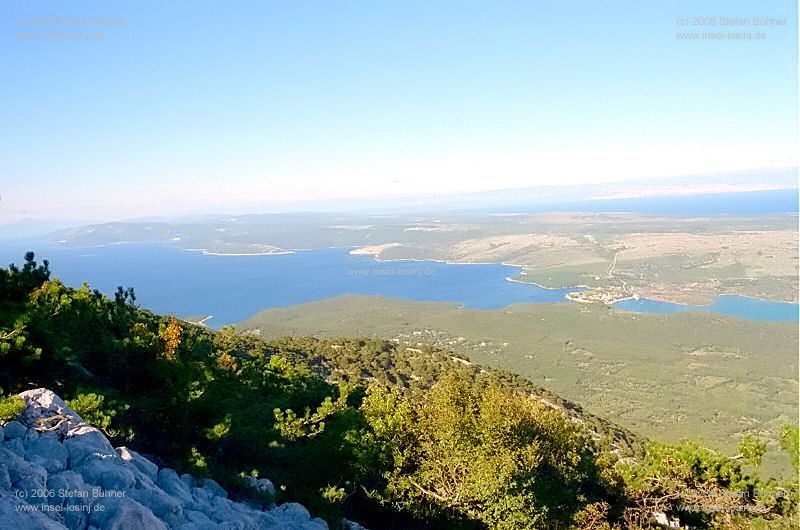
192,106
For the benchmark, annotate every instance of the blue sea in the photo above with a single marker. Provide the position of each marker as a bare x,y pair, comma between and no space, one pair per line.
731,305
232,288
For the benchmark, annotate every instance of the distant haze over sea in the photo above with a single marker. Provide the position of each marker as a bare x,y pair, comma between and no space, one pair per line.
744,192
736,203
767,202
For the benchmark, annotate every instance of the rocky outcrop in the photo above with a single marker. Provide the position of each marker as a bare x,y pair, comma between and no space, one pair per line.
58,472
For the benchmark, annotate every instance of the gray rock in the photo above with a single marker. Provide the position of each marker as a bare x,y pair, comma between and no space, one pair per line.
238,524
5,480
87,443
13,514
268,520
221,510
55,435
317,524
168,481
142,464
32,482
42,404
67,481
124,514
166,508
55,515
352,525
114,489
33,475
196,526
213,488
197,518
108,474
293,513
15,446
7,456
201,500
262,485
188,480
14,429
77,517
72,492
48,453
142,480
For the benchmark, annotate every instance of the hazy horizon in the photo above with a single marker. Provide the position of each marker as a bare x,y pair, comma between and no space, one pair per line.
161,110
776,179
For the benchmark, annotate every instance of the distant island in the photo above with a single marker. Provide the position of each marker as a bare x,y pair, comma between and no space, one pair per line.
672,258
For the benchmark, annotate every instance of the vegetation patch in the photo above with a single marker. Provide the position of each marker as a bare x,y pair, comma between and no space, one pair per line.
390,437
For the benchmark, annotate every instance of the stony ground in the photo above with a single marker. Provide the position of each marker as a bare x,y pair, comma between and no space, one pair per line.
58,472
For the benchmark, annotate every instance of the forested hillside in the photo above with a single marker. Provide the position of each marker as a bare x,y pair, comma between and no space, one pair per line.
389,437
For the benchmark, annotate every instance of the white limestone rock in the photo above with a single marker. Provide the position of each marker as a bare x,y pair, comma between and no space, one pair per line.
141,463
78,458
44,404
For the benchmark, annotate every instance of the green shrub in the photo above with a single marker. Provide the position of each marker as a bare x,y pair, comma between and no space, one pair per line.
10,407
91,408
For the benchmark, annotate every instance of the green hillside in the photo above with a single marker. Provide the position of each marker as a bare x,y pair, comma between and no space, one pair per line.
664,376
386,436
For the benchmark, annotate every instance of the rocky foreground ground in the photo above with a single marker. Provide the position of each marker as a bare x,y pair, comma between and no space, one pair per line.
58,472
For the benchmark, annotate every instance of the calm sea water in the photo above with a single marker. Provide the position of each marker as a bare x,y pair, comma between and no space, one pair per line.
731,305
233,288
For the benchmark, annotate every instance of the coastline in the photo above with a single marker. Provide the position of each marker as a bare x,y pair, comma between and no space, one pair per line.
377,257
510,279
586,295
207,252
281,253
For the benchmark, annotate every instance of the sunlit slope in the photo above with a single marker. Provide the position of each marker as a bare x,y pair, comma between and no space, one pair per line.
665,376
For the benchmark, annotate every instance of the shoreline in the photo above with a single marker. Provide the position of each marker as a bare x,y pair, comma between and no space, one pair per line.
585,287
377,257
207,252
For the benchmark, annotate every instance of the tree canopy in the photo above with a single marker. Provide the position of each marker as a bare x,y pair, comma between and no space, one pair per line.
358,428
